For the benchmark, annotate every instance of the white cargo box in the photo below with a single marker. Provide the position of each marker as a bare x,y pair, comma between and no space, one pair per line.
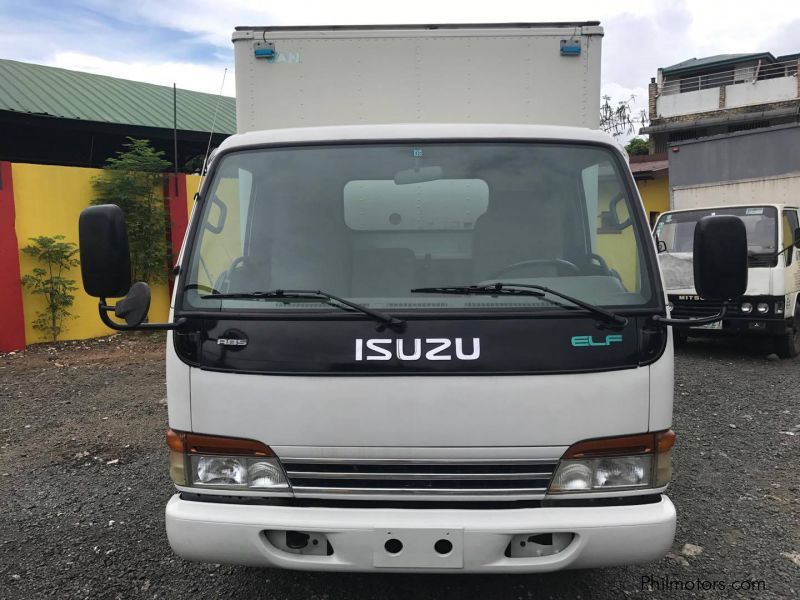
526,73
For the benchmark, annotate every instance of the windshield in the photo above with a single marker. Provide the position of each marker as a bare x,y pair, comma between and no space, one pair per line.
675,232
370,223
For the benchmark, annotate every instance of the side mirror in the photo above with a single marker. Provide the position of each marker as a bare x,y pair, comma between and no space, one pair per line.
106,269
616,218
135,305
720,257
105,258
796,242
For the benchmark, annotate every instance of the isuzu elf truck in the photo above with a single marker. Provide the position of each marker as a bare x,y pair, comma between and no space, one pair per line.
418,320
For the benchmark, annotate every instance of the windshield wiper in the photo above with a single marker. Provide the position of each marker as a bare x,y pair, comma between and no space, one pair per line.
524,289
330,299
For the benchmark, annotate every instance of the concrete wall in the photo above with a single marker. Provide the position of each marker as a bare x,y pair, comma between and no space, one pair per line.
745,155
670,105
760,92
784,189
749,93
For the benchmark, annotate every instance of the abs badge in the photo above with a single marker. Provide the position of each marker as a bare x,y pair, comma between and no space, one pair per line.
233,339
585,341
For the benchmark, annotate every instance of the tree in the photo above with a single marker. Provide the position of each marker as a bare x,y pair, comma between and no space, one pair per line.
133,180
57,256
637,146
618,119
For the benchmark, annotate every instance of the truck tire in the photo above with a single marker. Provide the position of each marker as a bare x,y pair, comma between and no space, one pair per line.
788,344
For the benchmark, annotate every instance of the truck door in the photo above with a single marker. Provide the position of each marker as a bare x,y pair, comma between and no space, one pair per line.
791,258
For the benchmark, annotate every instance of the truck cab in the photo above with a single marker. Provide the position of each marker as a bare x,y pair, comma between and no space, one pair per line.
769,307
377,435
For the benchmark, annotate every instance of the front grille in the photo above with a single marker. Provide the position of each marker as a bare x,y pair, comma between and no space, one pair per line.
419,479
688,308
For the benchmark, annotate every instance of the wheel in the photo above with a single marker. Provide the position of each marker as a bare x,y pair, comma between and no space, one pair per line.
559,263
788,344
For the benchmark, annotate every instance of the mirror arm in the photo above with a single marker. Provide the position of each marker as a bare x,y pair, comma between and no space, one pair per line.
698,321
104,309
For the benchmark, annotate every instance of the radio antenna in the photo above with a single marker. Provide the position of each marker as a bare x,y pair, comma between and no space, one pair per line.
211,133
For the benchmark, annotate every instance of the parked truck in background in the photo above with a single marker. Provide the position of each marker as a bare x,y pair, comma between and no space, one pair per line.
769,307
418,322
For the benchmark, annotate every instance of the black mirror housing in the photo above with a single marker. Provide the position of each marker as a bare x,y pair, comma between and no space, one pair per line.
105,257
796,242
720,257
134,307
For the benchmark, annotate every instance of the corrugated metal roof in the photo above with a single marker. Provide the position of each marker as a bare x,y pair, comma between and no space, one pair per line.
650,166
40,90
693,64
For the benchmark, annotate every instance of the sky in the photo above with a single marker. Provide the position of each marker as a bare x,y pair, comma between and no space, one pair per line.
189,42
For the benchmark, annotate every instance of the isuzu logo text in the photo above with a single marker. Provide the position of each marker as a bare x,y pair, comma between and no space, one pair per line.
415,349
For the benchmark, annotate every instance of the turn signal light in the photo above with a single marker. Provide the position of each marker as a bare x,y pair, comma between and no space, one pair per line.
645,443
193,443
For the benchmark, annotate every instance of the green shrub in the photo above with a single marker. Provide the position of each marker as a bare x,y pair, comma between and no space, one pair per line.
133,181
56,256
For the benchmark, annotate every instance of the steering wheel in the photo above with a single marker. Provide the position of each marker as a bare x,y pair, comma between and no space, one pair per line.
224,280
559,263
601,262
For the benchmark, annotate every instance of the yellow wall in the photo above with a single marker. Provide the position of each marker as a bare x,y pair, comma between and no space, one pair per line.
618,248
655,194
48,200
192,187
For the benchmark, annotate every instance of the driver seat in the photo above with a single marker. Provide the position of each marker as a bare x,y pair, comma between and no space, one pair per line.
518,226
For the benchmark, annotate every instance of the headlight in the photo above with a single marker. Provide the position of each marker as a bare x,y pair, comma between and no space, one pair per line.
225,463
237,471
573,476
779,308
762,307
622,472
265,474
218,470
609,464
746,307
600,474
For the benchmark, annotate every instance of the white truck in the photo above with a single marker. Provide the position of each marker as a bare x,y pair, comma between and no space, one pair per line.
769,306
419,323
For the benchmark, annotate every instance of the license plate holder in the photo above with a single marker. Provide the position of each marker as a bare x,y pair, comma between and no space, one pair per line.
419,549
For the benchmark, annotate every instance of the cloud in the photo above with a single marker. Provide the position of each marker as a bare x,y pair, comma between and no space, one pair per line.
785,39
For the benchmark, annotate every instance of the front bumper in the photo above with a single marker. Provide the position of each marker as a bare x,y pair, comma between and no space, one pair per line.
743,326
603,536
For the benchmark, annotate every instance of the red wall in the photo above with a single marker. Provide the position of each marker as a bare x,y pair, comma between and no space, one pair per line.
12,318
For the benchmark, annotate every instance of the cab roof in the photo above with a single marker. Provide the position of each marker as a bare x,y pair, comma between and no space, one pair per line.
724,206
420,131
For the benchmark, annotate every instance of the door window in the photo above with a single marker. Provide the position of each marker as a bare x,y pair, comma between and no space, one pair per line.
789,227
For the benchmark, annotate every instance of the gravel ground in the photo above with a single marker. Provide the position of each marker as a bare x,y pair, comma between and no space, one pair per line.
83,483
